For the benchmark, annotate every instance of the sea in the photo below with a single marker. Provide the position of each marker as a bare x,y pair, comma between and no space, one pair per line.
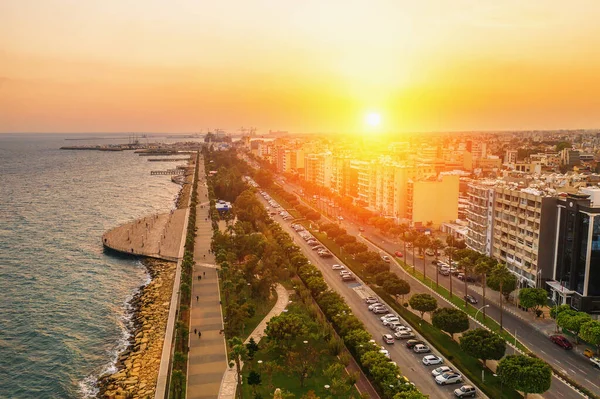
64,312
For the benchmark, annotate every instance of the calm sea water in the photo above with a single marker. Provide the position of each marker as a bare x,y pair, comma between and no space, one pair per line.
63,313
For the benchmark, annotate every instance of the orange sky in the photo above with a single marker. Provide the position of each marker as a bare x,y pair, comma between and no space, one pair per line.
301,66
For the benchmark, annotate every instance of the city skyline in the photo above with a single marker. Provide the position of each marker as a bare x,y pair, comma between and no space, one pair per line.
309,67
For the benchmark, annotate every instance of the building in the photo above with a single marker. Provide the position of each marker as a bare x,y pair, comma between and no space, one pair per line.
480,216
432,201
569,157
575,276
510,157
318,169
524,227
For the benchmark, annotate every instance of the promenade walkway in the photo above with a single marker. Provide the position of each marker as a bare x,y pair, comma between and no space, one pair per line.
229,384
207,359
156,236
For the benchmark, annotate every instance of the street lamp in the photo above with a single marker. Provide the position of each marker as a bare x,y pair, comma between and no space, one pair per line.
479,310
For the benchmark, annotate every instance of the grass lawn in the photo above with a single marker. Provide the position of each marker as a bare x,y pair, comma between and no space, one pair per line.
273,369
262,308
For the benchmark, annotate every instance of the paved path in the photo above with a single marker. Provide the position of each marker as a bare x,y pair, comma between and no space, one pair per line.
207,359
229,384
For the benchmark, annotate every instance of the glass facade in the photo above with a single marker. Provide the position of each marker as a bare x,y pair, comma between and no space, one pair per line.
594,279
584,228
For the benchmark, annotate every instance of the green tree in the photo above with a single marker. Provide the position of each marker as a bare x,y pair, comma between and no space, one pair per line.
437,245
423,242
254,380
423,303
525,374
238,353
284,329
502,280
396,287
533,298
178,384
483,267
345,239
562,145
483,344
355,247
252,348
572,320
382,277
556,310
590,333
450,320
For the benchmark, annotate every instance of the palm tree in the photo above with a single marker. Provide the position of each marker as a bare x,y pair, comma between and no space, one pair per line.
484,266
436,245
412,237
449,252
423,242
239,353
403,229
500,279
467,264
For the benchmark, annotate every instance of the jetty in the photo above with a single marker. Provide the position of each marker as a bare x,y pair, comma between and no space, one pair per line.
171,172
156,236
167,159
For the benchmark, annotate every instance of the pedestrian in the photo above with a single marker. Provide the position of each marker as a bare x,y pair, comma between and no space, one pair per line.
204,273
195,331
199,334
197,297
200,277
204,256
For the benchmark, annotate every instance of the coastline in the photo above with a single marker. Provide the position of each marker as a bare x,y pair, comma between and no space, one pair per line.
137,366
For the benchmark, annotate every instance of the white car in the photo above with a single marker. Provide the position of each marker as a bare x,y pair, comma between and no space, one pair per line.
387,316
386,258
404,335
420,348
371,299
385,352
387,322
338,267
448,378
441,370
373,305
388,339
431,360
381,310
402,328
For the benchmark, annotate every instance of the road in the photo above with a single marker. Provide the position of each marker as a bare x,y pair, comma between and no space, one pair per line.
573,364
354,293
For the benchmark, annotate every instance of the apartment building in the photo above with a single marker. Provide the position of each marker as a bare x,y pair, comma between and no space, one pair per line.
479,215
575,278
524,226
432,201
366,183
318,168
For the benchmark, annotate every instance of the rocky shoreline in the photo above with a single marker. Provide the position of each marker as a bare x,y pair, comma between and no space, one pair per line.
137,367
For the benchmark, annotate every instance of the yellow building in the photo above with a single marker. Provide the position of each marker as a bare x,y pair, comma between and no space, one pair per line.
433,201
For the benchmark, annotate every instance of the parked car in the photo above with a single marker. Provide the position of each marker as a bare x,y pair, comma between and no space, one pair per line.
561,341
361,229
381,310
411,343
340,218
595,361
441,370
318,248
421,348
386,258
448,378
430,252
371,299
325,254
471,299
385,352
373,305
466,391
395,325
398,254
404,335
387,316
431,360
403,328
348,277
388,339
444,271
389,321
341,267
346,272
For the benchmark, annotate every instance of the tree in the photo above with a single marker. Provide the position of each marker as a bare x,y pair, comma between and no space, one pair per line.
483,344
423,242
252,348
437,245
382,277
254,380
302,362
450,320
525,374
561,145
502,280
533,298
590,333
484,266
355,247
178,384
572,320
423,303
238,353
285,328
556,310
345,239
396,287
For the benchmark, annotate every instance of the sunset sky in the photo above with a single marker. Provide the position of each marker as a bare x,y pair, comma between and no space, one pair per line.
301,66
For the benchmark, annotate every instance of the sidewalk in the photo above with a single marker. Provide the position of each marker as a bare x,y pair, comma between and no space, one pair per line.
229,384
207,359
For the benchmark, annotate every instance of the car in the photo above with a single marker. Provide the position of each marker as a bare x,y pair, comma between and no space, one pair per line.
370,300
385,352
429,252
394,325
318,248
344,272
431,360
403,335
361,229
411,343
388,322
402,328
588,353
373,305
421,348
434,262
325,254
338,267
313,243
387,316
466,391
444,271
340,218
398,254
595,361
448,378
388,339
381,310
471,299
348,277
561,341
386,258
441,370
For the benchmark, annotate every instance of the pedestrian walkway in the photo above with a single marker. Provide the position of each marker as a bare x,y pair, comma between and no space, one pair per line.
207,359
229,384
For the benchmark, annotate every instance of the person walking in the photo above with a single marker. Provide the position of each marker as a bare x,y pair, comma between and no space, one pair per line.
197,297
195,331
199,334
204,273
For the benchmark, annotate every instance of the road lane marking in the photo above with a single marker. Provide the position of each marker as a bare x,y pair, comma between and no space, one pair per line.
592,383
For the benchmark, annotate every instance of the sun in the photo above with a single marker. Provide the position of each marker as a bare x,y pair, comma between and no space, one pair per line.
373,119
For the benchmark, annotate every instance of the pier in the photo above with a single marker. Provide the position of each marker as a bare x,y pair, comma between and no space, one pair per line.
167,159
157,236
178,171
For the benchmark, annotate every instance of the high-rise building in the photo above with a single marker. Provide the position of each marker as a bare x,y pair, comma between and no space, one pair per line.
432,201
524,227
510,156
318,169
480,215
575,278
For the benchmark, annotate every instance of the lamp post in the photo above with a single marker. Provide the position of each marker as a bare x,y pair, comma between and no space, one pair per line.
479,310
